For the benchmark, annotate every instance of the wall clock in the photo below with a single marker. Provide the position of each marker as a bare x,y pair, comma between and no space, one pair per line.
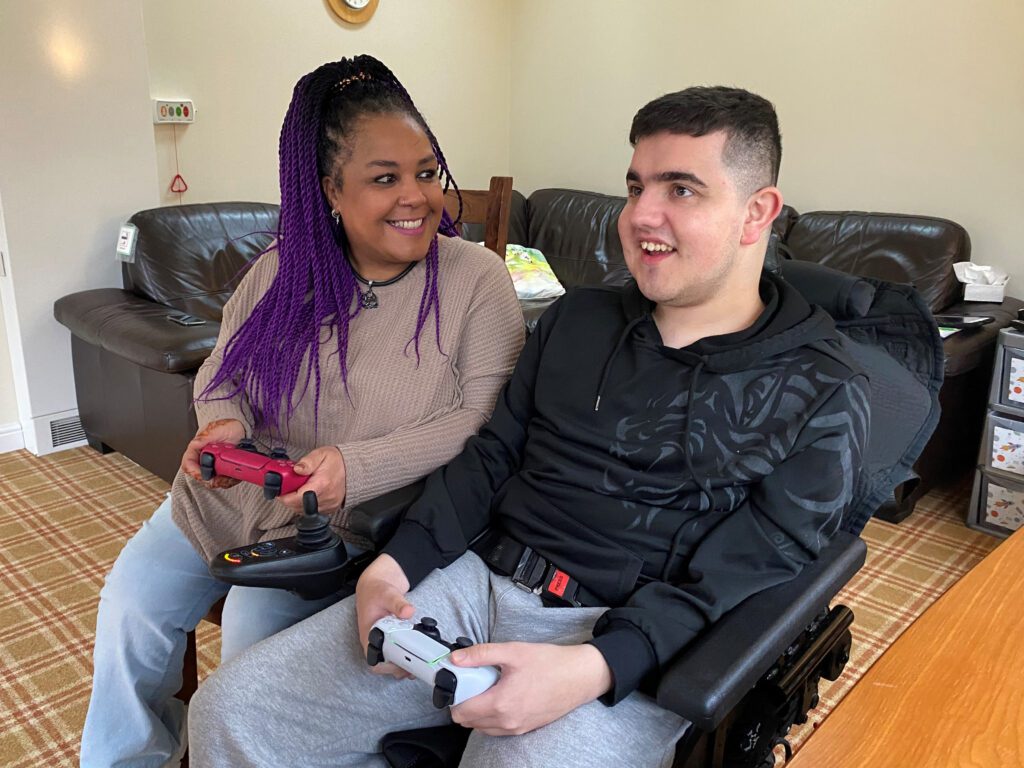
353,11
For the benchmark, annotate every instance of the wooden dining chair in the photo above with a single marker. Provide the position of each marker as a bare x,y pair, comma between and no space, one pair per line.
491,208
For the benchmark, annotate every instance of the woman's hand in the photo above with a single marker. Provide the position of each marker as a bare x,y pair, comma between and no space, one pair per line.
573,675
219,431
325,468
380,592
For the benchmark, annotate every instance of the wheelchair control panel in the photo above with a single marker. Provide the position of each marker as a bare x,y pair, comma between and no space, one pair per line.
313,563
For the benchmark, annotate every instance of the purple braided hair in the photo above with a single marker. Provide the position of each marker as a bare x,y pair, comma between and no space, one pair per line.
315,286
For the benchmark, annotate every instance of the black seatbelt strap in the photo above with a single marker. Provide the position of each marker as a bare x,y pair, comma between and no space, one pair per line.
531,572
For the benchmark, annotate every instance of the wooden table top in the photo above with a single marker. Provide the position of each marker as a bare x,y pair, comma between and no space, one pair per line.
950,690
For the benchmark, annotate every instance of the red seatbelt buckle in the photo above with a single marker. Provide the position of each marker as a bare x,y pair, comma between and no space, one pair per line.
559,589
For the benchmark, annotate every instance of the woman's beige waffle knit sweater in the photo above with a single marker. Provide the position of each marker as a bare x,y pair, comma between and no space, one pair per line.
400,420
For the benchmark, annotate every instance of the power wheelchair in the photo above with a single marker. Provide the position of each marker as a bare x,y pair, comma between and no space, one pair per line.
755,673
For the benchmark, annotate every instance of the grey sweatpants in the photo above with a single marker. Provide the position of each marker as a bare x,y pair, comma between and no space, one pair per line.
305,697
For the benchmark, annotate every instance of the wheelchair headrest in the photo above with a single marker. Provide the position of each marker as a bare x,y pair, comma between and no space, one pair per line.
842,295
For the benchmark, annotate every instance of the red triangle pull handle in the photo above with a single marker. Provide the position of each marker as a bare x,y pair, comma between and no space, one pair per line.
178,184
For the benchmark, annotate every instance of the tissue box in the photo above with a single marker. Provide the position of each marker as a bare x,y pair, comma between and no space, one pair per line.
981,283
987,293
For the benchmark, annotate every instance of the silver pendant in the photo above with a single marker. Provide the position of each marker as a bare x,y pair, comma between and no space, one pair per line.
369,299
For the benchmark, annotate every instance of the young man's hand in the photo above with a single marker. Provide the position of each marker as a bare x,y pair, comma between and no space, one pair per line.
539,683
219,431
325,468
380,592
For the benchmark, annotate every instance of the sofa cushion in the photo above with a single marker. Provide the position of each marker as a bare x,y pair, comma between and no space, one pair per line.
918,250
578,234
189,256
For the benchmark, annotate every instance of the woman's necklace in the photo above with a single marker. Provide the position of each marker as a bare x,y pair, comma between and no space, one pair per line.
368,299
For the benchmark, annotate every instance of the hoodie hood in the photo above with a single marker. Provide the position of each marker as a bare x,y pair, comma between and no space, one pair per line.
786,323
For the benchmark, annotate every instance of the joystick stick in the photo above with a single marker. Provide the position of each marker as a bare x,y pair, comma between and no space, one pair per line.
418,649
313,563
312,530
428,627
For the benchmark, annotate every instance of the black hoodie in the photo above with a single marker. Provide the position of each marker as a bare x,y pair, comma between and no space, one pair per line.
670,514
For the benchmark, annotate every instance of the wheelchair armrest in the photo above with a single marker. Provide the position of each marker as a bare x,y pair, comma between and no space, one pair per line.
376,519
713,674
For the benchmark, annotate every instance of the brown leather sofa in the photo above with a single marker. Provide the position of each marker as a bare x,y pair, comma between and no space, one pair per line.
134,369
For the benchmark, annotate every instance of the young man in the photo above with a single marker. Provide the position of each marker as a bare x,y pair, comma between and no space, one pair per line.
661,453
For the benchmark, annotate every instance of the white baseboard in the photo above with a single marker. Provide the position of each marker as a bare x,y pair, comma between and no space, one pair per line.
11,437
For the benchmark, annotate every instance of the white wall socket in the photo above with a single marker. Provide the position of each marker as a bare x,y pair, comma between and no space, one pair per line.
173,111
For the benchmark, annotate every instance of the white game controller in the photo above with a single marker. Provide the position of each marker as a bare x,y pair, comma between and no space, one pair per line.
419,650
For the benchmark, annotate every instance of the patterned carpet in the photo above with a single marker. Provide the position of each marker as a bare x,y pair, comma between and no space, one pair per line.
64,518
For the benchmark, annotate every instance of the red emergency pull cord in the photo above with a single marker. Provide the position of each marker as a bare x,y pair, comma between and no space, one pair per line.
178,184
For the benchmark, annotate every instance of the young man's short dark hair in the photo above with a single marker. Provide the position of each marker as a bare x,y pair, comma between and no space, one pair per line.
754,147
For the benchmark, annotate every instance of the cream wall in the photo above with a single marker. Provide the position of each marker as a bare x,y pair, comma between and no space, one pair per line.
239,68
76,158
913,106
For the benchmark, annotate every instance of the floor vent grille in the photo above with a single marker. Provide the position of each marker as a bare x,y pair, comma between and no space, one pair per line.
65,431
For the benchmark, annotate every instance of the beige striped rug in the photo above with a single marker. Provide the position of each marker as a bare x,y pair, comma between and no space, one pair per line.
64,518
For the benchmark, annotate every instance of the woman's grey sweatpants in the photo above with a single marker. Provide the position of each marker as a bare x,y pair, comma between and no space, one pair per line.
305,697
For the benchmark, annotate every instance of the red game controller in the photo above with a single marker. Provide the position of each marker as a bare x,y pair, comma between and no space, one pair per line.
275,472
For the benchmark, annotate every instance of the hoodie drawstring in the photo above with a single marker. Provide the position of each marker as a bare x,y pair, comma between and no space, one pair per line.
615,351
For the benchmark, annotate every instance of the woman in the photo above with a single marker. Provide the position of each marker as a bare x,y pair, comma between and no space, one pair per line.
368,341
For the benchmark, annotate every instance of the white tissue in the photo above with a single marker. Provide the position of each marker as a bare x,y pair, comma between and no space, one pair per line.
981,283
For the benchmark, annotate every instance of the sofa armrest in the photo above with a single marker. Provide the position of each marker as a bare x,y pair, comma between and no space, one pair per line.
136,329
968,349
376,519
712,675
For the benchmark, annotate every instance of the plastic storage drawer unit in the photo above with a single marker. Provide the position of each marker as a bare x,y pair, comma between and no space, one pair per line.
997,501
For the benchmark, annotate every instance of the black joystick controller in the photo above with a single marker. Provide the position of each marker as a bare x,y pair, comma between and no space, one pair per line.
313,563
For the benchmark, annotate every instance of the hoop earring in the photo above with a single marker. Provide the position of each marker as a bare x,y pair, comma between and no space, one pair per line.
336,215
